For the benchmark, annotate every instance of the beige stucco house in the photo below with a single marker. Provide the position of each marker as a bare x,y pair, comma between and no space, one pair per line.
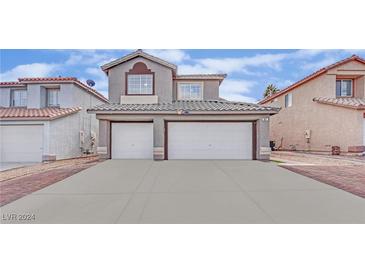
156,113
325,109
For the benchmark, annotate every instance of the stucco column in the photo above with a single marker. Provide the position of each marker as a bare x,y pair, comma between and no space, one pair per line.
263,138
158,138
103,148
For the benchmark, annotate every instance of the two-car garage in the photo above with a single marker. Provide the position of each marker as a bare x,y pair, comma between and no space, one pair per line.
185,140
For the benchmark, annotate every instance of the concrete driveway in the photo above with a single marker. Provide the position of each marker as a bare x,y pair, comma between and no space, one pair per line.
127,191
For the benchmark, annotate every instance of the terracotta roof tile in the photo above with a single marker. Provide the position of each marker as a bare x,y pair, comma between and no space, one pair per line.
211,105
20,113
355,103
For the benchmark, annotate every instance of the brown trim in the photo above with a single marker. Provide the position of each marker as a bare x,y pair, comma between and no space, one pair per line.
119,122
137,69
254,132
254,140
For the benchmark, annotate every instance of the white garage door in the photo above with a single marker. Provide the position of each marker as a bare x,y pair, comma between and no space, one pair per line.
208,140
132,140
21,143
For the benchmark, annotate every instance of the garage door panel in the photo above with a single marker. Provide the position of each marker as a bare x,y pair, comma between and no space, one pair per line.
195,140
21,143
132,140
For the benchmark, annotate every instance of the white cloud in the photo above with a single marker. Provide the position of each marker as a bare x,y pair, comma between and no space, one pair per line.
88,57
170,55
237,90
319,64
29,70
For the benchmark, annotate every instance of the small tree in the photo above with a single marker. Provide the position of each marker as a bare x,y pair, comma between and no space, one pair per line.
270,90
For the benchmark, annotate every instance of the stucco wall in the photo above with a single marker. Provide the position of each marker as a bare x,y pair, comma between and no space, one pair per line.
64,139
4,97
158,120
329,125
210,88
163,80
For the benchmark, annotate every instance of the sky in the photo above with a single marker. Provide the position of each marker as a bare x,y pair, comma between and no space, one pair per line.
249,71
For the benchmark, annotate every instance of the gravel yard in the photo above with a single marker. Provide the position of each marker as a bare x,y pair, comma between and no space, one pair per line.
16,183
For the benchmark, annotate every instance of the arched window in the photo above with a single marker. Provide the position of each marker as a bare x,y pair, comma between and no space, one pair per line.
140,80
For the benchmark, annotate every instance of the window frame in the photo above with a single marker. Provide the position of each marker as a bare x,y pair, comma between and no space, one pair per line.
179,97
352,87
140,74
12,98
288,103
47,97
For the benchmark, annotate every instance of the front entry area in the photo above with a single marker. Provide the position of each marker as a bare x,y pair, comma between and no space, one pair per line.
131,140
210,140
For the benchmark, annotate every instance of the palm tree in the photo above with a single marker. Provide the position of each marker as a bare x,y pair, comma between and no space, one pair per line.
270,90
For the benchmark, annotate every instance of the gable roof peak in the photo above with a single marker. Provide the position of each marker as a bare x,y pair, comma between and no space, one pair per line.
138,53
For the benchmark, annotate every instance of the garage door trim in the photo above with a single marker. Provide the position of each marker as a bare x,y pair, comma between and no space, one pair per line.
254,132
118,122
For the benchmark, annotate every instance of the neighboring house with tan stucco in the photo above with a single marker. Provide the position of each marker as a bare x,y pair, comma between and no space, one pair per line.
325,109
156,113
43,119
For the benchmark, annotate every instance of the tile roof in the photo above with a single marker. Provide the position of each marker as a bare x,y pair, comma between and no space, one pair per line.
22,81
20,113
11,84
311,76
199,106
355,103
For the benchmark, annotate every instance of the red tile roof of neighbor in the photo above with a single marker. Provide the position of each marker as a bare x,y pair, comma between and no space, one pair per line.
312,76
20,113
354,103
43,80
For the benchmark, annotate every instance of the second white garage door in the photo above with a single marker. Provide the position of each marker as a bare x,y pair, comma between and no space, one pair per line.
209,140
132,141
21,143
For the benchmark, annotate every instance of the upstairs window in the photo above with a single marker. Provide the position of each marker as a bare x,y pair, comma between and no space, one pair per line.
190,91
52,97
18,98
140,84
140,80
344,88
288,100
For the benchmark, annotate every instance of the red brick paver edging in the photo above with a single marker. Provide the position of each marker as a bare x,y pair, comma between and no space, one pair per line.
348,178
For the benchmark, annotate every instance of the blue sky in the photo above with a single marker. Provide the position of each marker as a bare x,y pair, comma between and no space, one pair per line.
249,71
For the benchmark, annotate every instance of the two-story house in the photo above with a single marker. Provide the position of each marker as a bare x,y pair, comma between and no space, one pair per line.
325,109
45,119
155,113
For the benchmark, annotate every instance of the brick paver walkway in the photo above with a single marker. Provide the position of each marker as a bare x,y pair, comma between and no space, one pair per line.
348,178
13,189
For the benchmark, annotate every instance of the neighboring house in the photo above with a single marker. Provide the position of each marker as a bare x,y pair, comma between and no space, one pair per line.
325,109
155,113
46,119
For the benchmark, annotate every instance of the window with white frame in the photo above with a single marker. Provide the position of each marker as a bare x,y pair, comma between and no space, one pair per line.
344,88
52,97
288,100
18,98
140,84
190,91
